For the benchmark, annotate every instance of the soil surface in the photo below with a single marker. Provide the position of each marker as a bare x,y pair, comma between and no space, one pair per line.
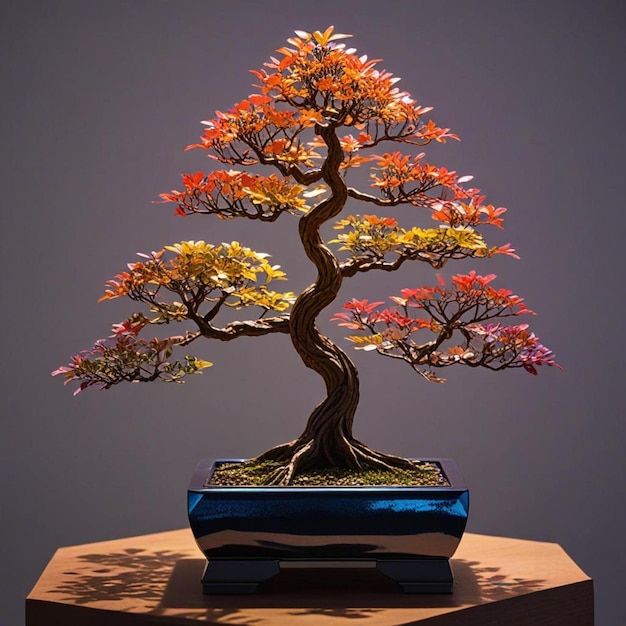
251,474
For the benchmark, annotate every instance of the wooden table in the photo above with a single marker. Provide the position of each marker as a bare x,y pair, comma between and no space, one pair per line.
155,579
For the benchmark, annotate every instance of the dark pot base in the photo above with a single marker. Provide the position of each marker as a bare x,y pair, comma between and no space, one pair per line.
240,577
408,532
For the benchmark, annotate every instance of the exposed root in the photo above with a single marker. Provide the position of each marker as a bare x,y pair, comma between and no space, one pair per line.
381,460
298,457
280,453
295,462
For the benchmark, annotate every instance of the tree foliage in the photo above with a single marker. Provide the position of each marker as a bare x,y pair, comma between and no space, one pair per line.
319,112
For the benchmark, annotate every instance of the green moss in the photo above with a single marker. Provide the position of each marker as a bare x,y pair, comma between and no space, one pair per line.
251,474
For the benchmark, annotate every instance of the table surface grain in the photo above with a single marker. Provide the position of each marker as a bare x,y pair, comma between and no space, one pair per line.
155,579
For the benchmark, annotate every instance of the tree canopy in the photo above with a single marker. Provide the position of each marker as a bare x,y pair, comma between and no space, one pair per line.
319,111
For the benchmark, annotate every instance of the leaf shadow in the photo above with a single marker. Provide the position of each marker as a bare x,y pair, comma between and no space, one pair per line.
492,584
132,573
167,583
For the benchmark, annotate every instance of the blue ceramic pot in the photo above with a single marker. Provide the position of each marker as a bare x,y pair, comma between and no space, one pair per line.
403,529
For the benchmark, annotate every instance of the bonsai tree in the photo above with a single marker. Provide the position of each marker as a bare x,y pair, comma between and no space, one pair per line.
320,111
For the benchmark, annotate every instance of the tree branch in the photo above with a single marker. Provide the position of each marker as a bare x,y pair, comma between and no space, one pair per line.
303,178
248,328
362,264
366,197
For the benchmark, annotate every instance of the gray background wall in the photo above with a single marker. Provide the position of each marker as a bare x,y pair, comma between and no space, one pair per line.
99,99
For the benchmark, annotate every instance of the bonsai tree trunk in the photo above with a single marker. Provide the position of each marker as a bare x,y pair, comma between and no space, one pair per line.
327,440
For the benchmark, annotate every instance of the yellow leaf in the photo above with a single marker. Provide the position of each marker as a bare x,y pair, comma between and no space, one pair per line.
369,342
200,364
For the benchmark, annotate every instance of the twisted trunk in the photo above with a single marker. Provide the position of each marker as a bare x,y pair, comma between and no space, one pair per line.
327,440
329,428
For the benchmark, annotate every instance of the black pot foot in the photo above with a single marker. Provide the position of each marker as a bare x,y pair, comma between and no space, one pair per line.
419,576
237,576
240,576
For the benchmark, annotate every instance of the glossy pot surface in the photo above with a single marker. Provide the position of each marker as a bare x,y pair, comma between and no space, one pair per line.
335,523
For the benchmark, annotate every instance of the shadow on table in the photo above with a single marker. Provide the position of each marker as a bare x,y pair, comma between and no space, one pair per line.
132,574
492,584
335,592
168,583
